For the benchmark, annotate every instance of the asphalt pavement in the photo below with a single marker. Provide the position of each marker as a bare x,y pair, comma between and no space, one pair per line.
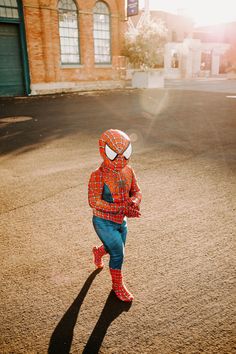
180,255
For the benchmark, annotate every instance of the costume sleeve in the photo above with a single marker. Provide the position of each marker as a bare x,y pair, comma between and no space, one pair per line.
95,200
135,192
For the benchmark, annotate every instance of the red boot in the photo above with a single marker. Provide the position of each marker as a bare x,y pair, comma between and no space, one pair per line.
118,287
98,253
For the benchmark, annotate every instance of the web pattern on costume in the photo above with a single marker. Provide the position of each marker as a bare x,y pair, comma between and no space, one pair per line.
122,185
116,141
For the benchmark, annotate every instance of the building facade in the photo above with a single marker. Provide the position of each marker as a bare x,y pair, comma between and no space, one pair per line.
193,59
204,54
222,33
190,52
51,46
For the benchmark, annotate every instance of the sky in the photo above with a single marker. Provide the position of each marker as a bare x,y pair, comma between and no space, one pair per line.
203,12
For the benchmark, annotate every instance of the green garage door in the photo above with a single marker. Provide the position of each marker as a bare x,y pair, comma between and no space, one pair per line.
11,69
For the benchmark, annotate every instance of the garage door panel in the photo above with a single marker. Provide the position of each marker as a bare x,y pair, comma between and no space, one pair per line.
10,61
11,68
10,47
9,86
13,78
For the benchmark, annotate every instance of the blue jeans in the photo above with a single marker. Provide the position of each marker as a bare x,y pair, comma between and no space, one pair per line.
113,237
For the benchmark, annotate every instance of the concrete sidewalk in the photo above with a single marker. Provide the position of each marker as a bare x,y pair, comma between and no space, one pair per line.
203,84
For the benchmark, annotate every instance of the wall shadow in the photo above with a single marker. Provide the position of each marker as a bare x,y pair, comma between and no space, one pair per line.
62,336
182,121
112,309
58,116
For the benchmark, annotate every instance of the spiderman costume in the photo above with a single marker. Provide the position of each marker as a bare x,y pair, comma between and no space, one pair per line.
113,194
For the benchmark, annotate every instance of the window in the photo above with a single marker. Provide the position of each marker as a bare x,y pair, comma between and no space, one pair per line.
69,33
9,9
174,59
206,60
102,33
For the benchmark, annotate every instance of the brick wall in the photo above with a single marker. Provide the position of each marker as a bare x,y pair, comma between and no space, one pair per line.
43,44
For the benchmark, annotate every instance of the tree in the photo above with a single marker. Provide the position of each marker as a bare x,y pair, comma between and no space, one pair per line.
144,46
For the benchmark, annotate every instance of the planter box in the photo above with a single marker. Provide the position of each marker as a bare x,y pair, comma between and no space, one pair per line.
148,79
173,73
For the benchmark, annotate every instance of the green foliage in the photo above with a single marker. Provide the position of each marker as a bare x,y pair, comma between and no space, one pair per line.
144,46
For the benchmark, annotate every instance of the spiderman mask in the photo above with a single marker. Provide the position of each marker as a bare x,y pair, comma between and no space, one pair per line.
115,149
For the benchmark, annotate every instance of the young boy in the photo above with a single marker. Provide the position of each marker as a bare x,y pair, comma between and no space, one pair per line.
114,194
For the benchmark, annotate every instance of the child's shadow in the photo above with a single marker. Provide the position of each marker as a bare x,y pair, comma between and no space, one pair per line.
112,309
61,339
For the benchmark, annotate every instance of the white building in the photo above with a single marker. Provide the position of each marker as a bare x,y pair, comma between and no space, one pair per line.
192,58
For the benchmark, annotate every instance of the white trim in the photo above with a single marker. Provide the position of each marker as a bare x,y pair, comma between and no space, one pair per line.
71,66
102,66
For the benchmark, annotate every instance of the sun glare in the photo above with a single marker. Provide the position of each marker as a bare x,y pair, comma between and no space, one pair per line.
211,12
203,12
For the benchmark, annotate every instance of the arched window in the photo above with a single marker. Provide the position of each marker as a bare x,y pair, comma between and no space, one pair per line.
102,33
9,9
69,32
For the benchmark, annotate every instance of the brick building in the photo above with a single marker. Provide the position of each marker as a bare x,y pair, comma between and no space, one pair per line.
60,45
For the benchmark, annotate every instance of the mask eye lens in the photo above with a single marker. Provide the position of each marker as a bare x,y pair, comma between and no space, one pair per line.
128,152
110,153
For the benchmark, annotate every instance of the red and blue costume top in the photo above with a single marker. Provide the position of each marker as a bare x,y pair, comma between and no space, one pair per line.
113,191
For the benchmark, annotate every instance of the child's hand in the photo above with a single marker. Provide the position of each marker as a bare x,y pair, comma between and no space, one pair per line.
134,203
132,212
129,209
